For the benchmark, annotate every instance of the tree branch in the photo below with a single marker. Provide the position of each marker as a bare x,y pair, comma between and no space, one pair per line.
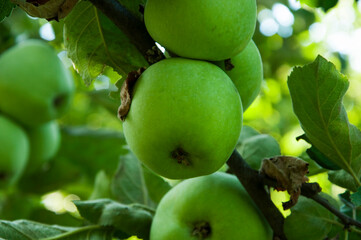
253,184
131,26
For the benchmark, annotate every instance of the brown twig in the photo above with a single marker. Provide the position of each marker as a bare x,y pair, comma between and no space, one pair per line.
252,182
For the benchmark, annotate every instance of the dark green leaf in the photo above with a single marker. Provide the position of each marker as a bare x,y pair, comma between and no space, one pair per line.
28,230
256,148
318,156
246,133
103,98
342,179
92,150
6,7
313,167
317,90
128,185
93,41
101,186
116,94
356,197
130,219
157,187
309,220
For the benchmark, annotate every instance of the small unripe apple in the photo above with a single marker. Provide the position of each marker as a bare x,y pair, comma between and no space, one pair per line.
185,118
247,73
212,207
35,87
210,30
44,144
14,151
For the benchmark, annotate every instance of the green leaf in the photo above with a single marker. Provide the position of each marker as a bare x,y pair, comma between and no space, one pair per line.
309,220
29,230
342,179
313,167
317,156
130,219
246,133
93,41
324,4
157,187
103,98
92,149
6,7
101,186
128,185
257,148
317,90
356,197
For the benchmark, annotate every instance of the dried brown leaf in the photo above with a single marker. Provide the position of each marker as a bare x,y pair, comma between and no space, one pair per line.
289,172
48,9
126,92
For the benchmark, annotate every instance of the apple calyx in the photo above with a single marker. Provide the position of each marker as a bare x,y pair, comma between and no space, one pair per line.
181,156
201,230
228,64
126,92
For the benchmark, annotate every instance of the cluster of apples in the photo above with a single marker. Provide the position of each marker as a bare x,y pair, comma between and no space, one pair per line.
35,89
186,116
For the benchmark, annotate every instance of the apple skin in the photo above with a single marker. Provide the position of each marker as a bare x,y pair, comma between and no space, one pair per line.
217,201
14,151
35,87
247,74
211,30
185,118
44,144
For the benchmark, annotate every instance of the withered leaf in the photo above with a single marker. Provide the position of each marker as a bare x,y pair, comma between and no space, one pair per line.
290,174
48,9
126,92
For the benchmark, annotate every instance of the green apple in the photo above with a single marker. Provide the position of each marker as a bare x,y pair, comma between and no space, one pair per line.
247,74
212,30
210,207
185,118
44,144
35,87
14,151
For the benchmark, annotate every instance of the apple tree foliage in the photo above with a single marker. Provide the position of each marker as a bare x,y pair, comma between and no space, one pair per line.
118,195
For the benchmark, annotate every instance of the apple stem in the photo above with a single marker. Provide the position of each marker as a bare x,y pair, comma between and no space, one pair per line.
181,156
201,230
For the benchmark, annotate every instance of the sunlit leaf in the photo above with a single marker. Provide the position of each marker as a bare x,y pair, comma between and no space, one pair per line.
93,41
317,91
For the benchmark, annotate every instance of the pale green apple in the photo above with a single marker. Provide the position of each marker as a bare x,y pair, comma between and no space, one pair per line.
247,74
210,30
185,118
35,87
213,207
44,144
14,151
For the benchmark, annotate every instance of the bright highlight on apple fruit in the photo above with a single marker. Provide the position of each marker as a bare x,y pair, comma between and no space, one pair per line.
185,118
212,207
247,74
209,30
35,87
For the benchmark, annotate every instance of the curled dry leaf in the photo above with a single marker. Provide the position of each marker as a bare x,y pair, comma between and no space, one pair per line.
126,92
48,9
290,174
